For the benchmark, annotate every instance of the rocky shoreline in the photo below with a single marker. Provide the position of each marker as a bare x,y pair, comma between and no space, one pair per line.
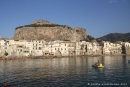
51,57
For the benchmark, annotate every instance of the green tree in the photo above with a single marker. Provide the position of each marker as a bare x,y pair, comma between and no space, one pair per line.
5,53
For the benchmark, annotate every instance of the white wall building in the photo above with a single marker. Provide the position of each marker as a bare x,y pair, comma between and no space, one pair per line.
111,48
60,48
126,48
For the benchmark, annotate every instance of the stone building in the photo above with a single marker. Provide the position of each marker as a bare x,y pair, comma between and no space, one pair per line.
88,48
71,48
81,48
6,46
96,48
14,48
116,49
59,48
111,48
126,48
36,47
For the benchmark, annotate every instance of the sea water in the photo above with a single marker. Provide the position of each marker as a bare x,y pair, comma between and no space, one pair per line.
66,72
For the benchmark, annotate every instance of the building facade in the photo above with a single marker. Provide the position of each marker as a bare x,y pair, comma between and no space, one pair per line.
61,48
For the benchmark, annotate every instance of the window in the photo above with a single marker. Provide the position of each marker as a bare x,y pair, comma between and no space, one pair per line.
26,51
61,48
65,48
55,48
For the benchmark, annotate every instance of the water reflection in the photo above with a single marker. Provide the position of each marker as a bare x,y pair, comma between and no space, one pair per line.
71,71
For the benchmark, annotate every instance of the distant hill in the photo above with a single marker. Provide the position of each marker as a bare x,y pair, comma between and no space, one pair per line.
113,37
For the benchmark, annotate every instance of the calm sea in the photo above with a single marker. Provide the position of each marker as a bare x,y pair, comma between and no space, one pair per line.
66,72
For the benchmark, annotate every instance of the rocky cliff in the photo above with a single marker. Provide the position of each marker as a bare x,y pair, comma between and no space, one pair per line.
45,30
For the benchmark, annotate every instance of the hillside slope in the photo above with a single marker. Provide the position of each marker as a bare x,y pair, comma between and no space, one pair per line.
113,37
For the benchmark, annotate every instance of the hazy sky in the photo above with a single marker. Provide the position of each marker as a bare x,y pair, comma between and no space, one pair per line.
98,17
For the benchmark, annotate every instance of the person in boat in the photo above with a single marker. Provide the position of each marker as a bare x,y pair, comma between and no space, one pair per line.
98,63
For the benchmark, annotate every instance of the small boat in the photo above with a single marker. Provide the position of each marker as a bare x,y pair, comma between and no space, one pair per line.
98,66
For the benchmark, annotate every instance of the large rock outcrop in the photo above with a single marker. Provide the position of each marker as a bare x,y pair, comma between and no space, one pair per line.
48,31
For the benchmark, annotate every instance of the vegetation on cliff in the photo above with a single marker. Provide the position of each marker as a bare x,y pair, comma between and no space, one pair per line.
43,25
89,38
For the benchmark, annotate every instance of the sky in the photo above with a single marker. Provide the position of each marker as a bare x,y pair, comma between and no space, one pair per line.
98,17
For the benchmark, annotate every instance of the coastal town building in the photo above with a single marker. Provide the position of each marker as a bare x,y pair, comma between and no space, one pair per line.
88,48
126,48
36,47
111,48
80,48
61,48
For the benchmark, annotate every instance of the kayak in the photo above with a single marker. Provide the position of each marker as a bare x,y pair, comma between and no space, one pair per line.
97,66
